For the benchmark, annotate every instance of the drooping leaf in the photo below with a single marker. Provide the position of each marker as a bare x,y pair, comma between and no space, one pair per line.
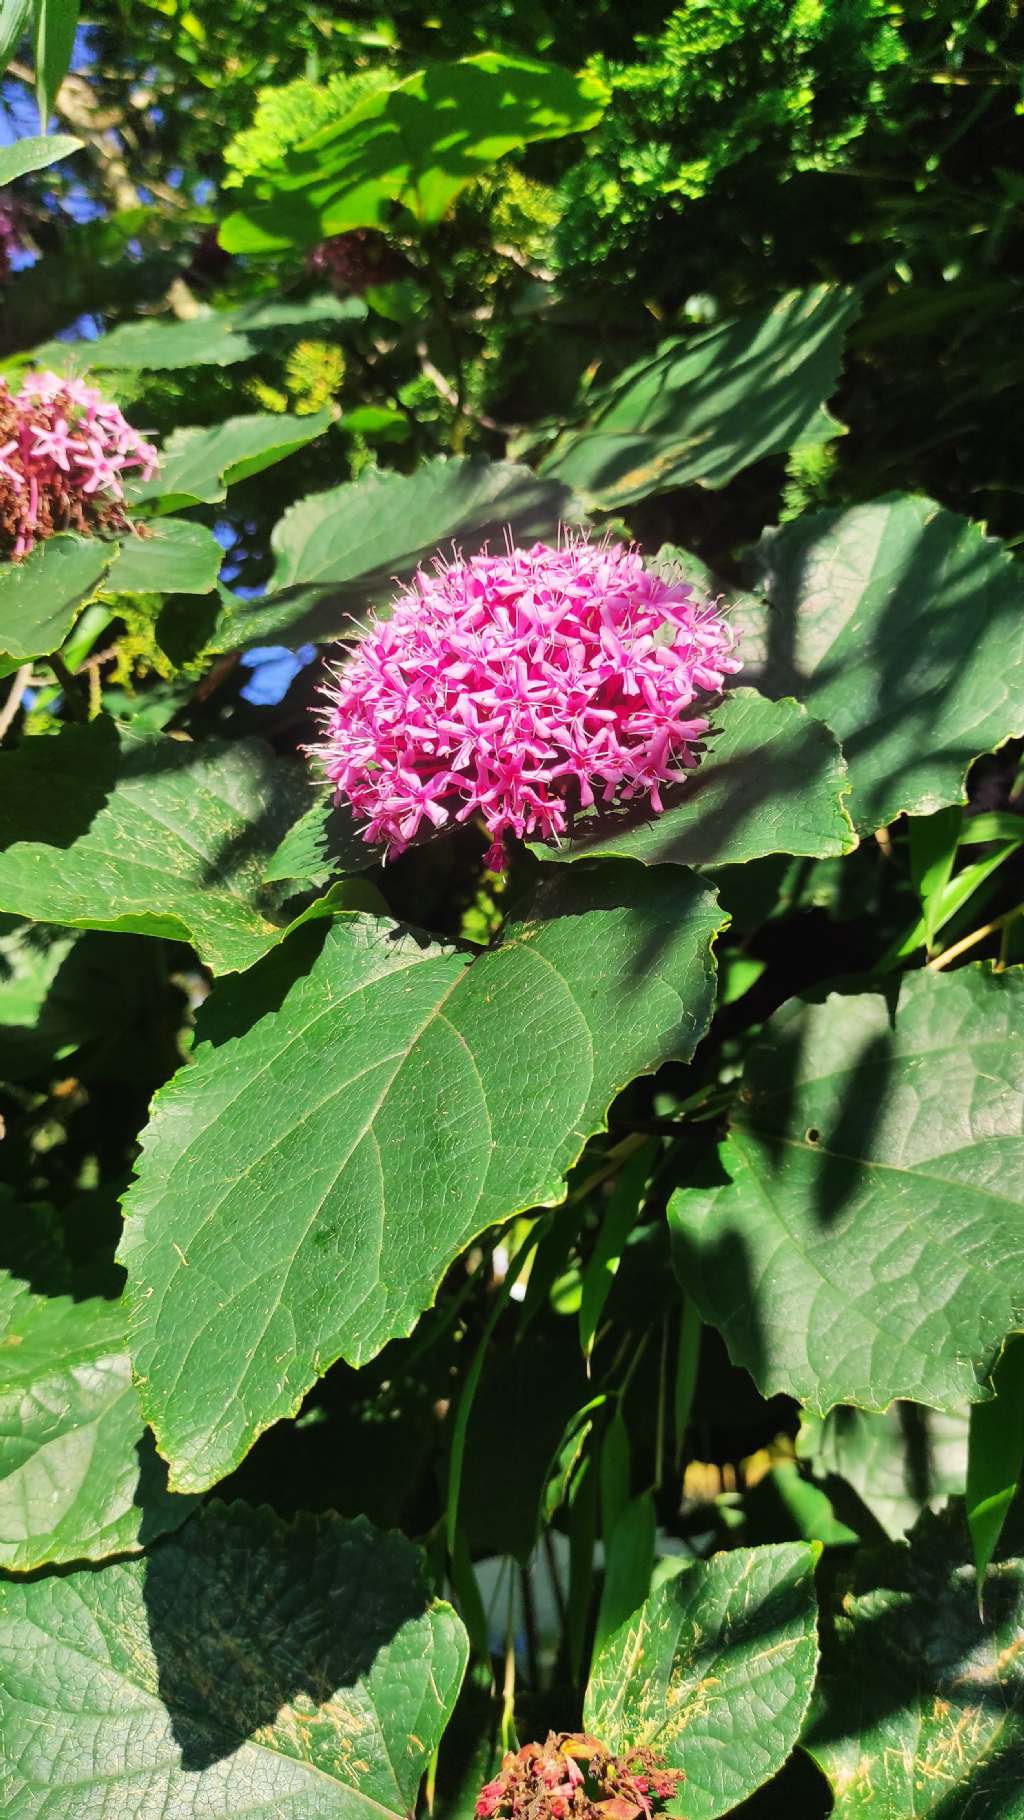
714,1673
246,1666
995,1454
398,1100
338,551
56,22
902,626
772,781
416,144
173,556
79,1477
868,1243
198,465
886,1468
103,829
707,405
921,1703
36,152
40,598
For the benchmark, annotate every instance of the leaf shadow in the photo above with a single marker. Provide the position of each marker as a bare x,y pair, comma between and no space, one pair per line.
916,654
242,1639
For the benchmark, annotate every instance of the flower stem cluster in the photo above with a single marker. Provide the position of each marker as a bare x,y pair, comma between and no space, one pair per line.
522,688
574,1777
64,450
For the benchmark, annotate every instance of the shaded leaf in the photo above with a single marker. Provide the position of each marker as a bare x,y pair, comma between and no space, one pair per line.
79,1478
921,1703
35,152
40,598
198,465
902,626
246,1666
173,556
707,405
868,1243
417,143
628,1565
399,1099
103,829
772,781
886,1467
714,1673
996,1454
336,552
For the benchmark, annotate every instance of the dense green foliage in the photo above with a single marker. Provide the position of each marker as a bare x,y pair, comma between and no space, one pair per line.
439,1307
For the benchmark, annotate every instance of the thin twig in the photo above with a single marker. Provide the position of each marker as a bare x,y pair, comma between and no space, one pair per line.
976,936
22,681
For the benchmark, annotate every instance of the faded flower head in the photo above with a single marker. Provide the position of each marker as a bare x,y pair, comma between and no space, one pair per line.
64,450
352,262
522,688
10,233
573,1777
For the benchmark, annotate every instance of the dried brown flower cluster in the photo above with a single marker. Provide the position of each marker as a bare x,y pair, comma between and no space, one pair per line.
573,1777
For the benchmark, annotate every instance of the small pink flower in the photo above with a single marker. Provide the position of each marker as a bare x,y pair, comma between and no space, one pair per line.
64,453
521,688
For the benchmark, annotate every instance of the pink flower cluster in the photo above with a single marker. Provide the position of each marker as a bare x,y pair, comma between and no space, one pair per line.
522,688
64,450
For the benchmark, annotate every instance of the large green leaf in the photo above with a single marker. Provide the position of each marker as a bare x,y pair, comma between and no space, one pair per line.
921,1706
338,551
868,1244
34,153
902,626
79,1477
707,405
101,829
886,1468
171,556
246,1667
40,598
714,1672
397,1099
417,144
773,781
212,338
198,465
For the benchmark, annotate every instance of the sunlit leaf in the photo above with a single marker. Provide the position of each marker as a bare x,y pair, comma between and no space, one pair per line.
416,144
393,1102
714,1673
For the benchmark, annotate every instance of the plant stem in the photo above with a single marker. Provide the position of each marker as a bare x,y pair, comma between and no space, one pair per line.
76,706
977,935
10,708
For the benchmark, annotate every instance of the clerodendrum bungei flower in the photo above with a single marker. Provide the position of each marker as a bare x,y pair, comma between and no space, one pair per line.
521,688
64,450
